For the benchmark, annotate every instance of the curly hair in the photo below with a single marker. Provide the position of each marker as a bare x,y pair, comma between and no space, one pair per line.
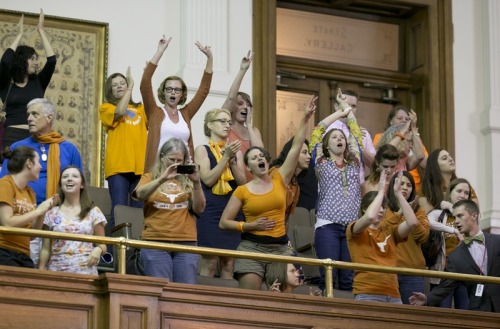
20,65
389,135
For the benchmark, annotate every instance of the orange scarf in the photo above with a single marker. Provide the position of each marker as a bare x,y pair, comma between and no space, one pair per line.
222,186
54,163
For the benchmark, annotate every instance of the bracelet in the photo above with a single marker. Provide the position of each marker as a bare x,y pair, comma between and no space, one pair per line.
240,227
400,135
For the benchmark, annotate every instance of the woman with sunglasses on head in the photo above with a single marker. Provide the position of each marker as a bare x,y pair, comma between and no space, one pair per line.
169,120
263,202
221,171
21,81
409,253
172,202
126,126
76,214
442,220
18,205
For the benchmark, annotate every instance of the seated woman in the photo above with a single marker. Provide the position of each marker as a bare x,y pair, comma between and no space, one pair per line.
386,160
76,214
442,220
18,206
282,277
409,253
372,240
263,201
221,171
172,201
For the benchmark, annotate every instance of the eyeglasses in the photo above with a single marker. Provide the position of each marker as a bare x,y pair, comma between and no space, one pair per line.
175,90
224,121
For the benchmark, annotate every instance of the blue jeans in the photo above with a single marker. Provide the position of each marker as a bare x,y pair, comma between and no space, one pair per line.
408,284
378,298
460,296
121,187
330,242
175,266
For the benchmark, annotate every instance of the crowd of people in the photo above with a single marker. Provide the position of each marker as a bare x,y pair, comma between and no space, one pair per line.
376,202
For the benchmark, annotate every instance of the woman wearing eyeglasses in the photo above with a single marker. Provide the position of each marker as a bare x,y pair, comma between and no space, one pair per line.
126,125
221,170
169,120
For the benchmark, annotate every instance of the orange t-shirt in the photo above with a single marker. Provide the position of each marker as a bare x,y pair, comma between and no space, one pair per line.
22,201
377,247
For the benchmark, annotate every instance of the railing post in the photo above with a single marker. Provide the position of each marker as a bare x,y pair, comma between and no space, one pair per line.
329,278
121,252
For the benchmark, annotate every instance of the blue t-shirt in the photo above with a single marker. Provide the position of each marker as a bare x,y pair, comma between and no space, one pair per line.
69,155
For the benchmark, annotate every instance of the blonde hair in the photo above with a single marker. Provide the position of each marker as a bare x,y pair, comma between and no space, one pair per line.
211,116
159,167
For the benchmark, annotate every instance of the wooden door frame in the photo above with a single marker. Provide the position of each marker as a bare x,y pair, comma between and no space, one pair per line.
439,125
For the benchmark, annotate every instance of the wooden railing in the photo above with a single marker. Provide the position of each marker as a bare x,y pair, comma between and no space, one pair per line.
328,264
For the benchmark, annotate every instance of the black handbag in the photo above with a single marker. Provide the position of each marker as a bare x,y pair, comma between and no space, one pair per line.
134,263
432,247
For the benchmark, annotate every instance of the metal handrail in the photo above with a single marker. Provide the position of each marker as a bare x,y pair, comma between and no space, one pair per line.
328,263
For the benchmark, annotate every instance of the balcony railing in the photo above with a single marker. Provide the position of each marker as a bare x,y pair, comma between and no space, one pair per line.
122,243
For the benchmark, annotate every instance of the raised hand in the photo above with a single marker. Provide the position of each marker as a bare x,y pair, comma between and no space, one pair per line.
245,62
413,118
311,108
130,80
342,100
382,181
397,184
163,43
41,20
207,50
20,26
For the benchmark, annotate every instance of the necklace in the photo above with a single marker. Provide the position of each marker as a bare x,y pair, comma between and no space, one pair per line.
343,173
44,155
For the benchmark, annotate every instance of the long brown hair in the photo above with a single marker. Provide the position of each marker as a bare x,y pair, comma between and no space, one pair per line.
86,203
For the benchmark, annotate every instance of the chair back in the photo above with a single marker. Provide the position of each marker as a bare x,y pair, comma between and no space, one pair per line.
130,215
101,198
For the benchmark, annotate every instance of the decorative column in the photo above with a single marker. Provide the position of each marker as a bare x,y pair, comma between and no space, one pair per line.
490,119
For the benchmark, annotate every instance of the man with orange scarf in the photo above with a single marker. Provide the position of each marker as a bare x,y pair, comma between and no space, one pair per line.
55,154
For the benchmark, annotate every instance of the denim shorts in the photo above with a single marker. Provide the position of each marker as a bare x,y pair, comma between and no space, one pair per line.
243,266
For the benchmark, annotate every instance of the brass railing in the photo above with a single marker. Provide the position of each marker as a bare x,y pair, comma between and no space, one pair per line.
328,264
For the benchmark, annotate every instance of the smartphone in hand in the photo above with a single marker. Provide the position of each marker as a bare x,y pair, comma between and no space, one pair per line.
186,169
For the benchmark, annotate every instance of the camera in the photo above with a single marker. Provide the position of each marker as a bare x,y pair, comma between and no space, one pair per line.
185,169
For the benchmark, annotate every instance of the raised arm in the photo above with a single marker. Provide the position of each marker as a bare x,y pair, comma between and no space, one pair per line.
19,35
253,132
121,107
418,157
207,50
45,41
373,209
288,168
230,101
411,221
162,46
145,191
